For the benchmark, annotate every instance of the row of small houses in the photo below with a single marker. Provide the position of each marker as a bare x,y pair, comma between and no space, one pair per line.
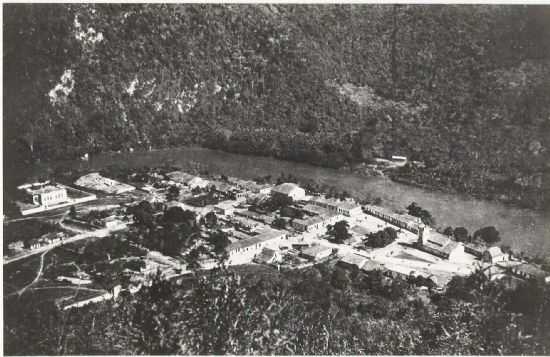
45,240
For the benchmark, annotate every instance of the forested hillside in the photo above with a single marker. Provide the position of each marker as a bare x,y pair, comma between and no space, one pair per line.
463,88
318,311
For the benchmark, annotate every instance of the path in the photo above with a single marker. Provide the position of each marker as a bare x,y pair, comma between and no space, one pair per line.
39,273
77,287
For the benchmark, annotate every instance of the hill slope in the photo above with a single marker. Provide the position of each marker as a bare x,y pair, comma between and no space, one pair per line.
463,88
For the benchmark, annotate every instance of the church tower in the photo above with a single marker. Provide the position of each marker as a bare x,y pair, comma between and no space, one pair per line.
423,233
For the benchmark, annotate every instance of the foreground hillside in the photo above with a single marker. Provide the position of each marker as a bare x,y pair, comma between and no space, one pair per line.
256,310
461,88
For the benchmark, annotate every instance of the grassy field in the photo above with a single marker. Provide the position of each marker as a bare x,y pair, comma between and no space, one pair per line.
27,230
20,273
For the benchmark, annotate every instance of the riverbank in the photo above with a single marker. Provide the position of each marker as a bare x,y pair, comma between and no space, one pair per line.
534,199
509,194
523,229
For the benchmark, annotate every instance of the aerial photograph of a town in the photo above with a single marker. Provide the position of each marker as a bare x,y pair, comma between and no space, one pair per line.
276,179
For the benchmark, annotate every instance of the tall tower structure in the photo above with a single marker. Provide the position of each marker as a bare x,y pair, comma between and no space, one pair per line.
423,233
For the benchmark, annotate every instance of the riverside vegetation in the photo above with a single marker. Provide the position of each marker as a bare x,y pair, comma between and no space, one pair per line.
462,88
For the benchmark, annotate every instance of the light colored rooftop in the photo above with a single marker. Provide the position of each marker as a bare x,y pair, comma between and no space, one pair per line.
263,236
354,259
315,249
439,242
45,189
286,188
343,204
97,182
495,251
372,265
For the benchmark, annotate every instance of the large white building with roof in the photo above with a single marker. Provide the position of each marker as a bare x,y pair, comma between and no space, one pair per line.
289,189
45,194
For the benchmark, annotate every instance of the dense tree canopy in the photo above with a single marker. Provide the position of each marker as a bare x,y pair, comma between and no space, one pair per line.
317,311
488,235
329,85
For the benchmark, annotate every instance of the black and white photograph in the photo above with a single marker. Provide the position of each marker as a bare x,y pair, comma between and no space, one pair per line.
277,178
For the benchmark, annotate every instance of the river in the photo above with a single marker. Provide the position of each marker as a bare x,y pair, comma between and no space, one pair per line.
523,229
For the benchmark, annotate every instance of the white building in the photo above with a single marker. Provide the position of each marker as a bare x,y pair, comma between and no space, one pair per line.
399,160
316,224
198,182
187,179
494,255
308,224
244,251
440,245
45,194
316,252
97,182
346,208
289,189
225,208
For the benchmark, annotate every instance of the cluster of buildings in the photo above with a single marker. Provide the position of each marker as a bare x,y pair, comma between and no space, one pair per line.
46,240
253,237
317,212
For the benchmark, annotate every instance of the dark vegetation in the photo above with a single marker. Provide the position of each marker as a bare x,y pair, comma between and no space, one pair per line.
317,311
488,235
26,230
381,238
168,232
462,88
175,230
105,260
425,216
339,231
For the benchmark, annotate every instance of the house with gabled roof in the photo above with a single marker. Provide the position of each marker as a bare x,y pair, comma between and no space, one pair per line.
439,245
